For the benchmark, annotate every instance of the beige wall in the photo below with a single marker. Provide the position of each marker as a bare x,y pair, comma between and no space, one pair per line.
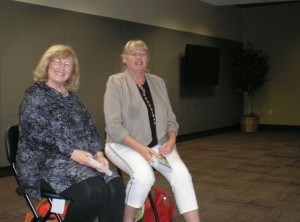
27,30
275,29
183,15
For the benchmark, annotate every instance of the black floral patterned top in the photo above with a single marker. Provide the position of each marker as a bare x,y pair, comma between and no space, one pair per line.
51,127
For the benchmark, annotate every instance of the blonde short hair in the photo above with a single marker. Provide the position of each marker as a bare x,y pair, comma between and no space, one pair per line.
133,44
40,73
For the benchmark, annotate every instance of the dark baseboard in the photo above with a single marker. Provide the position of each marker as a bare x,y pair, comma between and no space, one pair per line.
278,127
7,171
186,137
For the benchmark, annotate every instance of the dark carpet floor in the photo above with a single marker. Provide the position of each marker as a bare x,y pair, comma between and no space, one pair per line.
238,177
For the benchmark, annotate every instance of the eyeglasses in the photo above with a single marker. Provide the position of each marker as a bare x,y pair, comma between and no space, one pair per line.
138,54
58,62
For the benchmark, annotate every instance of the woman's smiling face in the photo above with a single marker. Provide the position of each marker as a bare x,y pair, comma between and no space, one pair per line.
136,60
60,70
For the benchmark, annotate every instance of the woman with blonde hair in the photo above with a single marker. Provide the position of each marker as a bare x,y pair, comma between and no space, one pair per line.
140,124
59,143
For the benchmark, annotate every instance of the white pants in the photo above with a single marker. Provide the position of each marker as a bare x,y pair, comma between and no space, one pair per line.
142,177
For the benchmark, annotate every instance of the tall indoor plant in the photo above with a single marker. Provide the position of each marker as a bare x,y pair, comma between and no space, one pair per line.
250,69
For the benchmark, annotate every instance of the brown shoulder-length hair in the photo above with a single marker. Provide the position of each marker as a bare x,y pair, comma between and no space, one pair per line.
134,44
40,73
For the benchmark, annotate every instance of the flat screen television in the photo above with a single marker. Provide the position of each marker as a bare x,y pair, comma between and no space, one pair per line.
201,65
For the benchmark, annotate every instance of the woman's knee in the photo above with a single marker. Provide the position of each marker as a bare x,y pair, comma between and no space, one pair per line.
180,179
144,179
84,202
181,172
116,188
88,192
141,182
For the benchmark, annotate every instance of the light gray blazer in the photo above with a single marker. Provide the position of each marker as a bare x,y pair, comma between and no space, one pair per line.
126,113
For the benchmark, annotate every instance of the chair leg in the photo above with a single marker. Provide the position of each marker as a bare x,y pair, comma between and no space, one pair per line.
35,213
153,207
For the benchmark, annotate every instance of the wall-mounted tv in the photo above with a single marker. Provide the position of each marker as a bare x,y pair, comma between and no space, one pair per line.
201,65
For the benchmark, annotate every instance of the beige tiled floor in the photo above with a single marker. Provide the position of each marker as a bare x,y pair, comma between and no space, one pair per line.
238,177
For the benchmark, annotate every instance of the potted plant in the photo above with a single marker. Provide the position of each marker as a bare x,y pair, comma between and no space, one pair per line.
250,69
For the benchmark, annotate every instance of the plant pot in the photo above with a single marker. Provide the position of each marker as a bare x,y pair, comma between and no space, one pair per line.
249,124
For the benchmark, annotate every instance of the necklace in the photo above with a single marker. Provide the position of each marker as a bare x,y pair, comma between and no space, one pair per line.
139,80
143,90
63,91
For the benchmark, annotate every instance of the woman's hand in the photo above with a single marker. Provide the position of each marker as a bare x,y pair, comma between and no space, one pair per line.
82,157
99,156
166,148
147,153
85,158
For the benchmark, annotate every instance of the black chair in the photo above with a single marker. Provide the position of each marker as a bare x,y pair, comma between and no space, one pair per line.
149,197
12,138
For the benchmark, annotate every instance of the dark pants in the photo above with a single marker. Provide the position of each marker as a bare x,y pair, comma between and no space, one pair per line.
93,197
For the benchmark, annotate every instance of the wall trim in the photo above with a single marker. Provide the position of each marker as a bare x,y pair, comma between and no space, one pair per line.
7,171
278,127
186,137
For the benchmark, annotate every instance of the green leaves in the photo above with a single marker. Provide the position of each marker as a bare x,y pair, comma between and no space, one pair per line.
250,69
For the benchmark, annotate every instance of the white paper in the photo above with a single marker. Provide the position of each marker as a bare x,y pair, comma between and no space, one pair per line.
160,162
58,205
101,167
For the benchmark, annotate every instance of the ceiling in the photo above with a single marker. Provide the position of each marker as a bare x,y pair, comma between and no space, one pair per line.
246,2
